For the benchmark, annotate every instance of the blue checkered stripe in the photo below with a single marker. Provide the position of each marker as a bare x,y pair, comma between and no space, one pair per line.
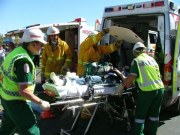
12,93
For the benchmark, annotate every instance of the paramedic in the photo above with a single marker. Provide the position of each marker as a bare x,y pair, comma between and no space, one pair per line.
18,84
2,54
145,72
56,55
91,52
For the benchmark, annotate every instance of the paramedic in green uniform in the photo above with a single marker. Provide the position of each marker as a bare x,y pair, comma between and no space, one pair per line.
145,72
17,86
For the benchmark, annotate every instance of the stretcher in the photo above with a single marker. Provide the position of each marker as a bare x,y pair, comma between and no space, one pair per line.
81,93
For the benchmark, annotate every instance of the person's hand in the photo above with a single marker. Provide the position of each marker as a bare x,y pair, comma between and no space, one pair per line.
119,43
119,90
45,105
105,31
64,69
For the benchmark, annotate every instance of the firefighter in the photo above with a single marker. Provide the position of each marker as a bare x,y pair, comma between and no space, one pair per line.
17,86
145,72
91,52
56,55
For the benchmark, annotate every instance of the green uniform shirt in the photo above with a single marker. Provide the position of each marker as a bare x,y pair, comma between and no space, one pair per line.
23,70
134,68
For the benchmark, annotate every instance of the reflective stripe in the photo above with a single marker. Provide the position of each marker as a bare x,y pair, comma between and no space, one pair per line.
8,72
47,73
68,60
85,63
154,118
50,59
11,93
60,58
140,121
112,48
80,62
12,78
149,83
94,38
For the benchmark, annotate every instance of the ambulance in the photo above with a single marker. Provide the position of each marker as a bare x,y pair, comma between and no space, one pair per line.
156,22
73,32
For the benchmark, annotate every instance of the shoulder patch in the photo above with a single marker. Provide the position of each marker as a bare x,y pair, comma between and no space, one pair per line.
26,68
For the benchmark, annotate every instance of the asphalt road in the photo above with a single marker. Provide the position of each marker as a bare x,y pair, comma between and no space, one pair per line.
169,124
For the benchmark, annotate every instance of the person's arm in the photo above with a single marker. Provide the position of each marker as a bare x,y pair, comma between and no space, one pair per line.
23,71
68,57
118,73
106,49
127,82
25,92
93,40
43,63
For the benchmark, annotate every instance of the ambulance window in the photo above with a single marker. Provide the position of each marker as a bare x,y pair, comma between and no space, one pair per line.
153,38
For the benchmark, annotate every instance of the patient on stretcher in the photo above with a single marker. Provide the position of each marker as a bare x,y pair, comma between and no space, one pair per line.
73,86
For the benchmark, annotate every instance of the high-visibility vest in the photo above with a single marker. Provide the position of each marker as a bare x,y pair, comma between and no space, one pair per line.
149,75
9,86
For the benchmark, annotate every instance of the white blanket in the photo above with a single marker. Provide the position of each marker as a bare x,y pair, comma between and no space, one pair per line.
75,90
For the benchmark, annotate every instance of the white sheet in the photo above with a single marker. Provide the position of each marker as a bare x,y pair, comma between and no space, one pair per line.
75,90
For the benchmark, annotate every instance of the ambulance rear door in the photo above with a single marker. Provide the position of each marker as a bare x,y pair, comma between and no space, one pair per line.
176,64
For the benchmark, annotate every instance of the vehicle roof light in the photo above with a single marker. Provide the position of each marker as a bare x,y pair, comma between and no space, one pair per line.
130,7
117,9
12,31
148,5
138,6
125,7
109,9
80,19
159,3
33,25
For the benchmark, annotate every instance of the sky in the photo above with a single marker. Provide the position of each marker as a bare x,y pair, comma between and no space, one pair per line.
17,14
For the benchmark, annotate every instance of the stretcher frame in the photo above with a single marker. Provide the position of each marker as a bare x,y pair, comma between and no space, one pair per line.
82,104
96,102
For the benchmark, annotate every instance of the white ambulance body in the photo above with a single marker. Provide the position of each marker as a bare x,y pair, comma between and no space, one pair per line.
74,33
156,22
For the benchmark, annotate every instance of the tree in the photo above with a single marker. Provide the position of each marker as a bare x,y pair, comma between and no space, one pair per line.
1,39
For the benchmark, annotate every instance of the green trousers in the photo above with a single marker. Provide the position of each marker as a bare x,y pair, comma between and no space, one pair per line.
18,115
148,108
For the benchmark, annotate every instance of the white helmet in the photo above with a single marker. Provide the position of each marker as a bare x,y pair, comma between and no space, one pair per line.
33,34
52,31
139,45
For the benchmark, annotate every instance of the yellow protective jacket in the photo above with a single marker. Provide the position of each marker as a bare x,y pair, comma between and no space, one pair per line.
90,51
54,60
